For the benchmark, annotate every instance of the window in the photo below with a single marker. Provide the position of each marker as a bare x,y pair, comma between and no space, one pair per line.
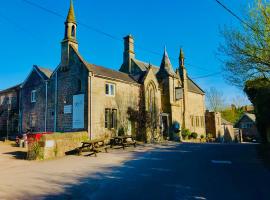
197,121
114,119
202,121
107,118
110,89
33,96
192,120
110,118
32,120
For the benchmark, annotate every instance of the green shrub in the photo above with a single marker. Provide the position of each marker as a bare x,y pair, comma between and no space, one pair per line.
209,135
194,135
185,133
121,131
202,137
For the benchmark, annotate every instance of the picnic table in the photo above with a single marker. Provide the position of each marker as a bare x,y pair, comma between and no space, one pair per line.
123,141
93,146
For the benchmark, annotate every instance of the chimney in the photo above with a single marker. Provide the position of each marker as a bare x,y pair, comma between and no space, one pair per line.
128,54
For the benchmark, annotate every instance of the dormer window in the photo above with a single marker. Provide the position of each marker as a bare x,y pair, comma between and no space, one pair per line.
110,89
33,96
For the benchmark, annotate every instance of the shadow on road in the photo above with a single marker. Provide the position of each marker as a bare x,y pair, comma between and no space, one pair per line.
147,176
21,155
263,151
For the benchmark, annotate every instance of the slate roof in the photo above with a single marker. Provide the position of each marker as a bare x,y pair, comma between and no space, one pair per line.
251,116
225,122
192,86
102,71
16,87
44,72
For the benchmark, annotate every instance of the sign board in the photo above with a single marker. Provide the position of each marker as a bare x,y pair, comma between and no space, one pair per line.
78,111
68,109
49,144
178,93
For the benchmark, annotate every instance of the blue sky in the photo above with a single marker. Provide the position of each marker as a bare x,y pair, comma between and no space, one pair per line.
30,36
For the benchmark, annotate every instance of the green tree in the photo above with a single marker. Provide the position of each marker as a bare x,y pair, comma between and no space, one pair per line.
246,52
258,91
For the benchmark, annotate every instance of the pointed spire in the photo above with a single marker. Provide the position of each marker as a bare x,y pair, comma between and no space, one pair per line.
181,58
71,14
166,66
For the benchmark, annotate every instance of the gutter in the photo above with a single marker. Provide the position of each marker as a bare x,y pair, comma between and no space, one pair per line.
90,105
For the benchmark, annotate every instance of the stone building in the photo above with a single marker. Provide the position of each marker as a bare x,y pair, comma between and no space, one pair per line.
247,124
79,95
9,111
220,129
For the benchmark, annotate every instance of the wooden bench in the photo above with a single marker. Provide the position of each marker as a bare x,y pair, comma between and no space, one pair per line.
123,141
93,146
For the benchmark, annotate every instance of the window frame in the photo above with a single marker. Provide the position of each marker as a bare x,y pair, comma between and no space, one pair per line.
111,89
33,96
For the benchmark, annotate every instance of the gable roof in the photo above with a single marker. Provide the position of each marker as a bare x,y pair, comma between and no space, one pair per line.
225,122
192,86
250,116
44,72
105,72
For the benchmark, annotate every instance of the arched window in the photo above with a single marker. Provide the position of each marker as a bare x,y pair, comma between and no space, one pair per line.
151,102
73,30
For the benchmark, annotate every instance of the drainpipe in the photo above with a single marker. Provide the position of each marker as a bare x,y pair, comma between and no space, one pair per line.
55,100
20,110
46,105
90,105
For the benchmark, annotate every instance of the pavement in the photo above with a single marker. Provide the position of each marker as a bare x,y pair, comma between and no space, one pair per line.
165,171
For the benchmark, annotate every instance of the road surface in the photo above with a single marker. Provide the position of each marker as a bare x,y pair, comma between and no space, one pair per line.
180,171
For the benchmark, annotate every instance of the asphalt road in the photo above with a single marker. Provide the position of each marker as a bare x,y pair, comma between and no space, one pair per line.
186,171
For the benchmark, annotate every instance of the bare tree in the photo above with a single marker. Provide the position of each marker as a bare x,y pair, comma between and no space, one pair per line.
215,100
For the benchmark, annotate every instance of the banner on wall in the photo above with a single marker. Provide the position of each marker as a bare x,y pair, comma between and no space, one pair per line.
78,111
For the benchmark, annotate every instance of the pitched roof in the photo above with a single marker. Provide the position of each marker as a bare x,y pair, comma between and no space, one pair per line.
225,122
44,72
109,73
166,66
192,86
10,89
251,116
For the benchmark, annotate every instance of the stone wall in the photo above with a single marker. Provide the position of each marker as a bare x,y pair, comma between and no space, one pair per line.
196,111
126,95
55,145
34,110
9,115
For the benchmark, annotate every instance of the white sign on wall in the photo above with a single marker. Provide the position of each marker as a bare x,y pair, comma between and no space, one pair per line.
67,109
78,111
178,93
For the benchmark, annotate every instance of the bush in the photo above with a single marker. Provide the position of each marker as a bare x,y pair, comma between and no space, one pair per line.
185,133
209,135
121,131
202,137
194,135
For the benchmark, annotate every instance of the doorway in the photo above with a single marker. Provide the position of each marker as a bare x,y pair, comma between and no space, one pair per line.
165,125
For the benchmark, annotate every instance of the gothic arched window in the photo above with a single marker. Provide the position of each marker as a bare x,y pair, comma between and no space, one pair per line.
151,102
